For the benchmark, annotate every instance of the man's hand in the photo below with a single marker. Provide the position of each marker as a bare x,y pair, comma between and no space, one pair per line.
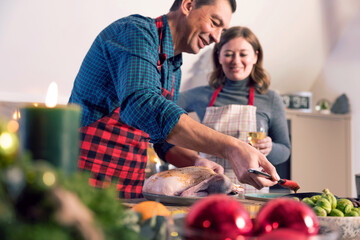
242,157
210,164
182,157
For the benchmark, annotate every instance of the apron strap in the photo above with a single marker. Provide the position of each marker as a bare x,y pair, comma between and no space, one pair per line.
162,56
251,96
216,92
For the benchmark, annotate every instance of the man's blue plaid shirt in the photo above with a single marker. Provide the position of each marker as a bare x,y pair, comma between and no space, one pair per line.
120,70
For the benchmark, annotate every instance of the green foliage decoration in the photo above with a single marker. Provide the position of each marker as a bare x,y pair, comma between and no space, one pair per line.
28,208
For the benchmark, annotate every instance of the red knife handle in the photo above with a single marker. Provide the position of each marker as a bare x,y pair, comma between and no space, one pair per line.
289,184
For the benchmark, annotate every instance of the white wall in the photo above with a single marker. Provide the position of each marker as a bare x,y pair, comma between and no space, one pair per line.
340,74
309,45
43,41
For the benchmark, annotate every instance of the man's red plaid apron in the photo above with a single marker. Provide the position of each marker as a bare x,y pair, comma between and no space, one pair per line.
113,151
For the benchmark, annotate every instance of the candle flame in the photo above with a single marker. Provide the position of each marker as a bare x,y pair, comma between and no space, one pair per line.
16,115
52,95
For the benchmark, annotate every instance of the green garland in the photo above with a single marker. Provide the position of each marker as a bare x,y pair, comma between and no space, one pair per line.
28,208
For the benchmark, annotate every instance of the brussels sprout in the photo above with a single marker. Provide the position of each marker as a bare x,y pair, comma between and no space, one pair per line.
315,198
344,205
344,200
308,201
326,190
336,213
332,199
357,210
352,213
325,204
319,211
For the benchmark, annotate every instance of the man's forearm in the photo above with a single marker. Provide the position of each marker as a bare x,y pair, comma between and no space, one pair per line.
191,134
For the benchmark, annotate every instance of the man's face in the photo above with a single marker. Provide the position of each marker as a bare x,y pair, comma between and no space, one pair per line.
205,25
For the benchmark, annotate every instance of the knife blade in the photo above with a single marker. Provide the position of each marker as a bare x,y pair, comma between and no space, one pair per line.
282,182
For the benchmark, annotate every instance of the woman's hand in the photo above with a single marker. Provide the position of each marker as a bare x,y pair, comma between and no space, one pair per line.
264,145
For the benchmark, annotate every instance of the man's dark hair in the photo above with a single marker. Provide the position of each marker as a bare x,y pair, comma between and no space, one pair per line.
200,3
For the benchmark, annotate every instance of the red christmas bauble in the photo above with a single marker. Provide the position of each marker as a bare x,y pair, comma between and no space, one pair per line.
286,213
217,216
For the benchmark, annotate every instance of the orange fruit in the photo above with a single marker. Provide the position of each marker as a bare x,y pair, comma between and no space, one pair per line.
150,208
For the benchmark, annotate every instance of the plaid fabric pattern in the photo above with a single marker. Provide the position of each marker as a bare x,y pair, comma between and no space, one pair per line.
121,70
234,120
116,152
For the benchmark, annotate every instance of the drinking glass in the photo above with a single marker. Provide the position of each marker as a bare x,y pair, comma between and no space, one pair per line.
260,133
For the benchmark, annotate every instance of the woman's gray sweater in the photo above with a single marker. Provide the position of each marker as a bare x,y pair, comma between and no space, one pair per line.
269,106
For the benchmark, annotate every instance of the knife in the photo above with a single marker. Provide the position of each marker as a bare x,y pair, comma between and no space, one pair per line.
282,182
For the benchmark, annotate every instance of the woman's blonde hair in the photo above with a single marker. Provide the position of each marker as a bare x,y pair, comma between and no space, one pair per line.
258,76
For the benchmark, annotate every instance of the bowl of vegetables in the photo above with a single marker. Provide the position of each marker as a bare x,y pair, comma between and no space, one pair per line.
336,212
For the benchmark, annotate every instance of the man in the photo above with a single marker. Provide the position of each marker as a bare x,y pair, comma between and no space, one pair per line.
128,85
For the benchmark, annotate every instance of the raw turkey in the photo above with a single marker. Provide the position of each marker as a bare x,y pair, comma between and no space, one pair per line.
189,182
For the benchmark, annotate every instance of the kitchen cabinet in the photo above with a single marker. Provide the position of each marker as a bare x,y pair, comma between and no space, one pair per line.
321,152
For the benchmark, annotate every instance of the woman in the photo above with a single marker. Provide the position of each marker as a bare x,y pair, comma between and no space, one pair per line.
238,98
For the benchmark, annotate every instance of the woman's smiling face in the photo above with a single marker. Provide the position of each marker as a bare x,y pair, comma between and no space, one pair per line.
237,58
